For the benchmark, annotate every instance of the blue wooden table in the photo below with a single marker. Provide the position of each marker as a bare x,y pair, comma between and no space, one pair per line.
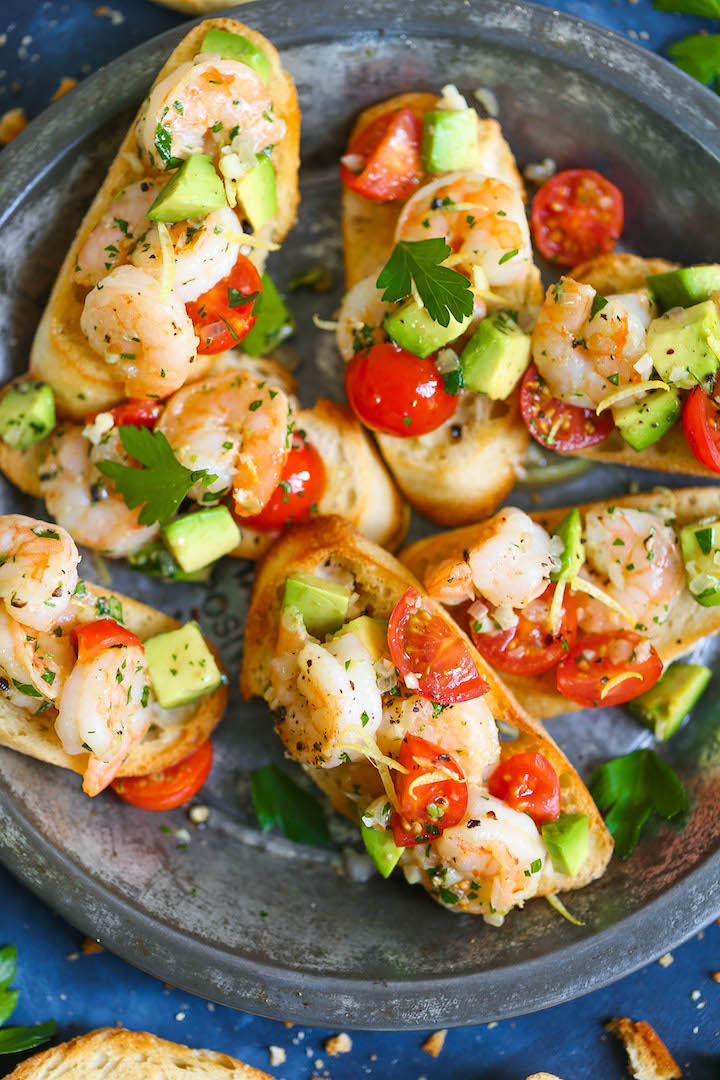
42,41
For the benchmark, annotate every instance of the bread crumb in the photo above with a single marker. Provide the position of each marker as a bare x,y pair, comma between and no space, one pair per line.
90,947
666,960
66,83
695,995
75,956
648,1057
338,1044
180,1016
715,975
434,1043
11,124
277,1055
543,1076
492,1024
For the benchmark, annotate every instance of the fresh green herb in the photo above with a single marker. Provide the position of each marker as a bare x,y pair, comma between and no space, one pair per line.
25,688
448,897
614,379
709,9
453,381
163,144
444,292
15,1039
508,256
80,589
363,338
279,801
161,484
631,788
699,56
437,708
109,605
317,278
599,302
365,719
237,299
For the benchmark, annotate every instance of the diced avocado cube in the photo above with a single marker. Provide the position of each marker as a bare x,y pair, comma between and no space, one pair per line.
181,666
570,531
412,328
642,423
27,414
495,357
381,848
371,632
322,604
199,538
685,345
257,192
236,47
568,842
194,191
685,287
700,546
155,560
450,140
274,323
665,705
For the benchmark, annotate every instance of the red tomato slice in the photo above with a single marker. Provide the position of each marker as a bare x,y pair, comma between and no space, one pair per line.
576,215
530,648
170,788
701,424
427,808
422,644
528,783
391,390
300,489
557,424
143,412
595,660
94,637
383,161
220,319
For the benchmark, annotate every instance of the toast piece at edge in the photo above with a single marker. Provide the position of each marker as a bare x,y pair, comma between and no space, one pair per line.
648,1056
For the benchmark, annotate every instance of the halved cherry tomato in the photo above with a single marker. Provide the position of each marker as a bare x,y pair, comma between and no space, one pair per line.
301,488
576,215
94,637
592,663
528,783
701,424
530,648
170,788
143,412
392,390
220,318
424,646
557,424
383,161
427,806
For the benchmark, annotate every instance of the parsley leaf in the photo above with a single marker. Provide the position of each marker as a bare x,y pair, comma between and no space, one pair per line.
708,8
161,485
599,302
444,291
14,1039
278,800
238,299
699,56
632,787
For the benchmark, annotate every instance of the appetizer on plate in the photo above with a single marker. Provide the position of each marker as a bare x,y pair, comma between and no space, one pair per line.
395,715
585,606
91,680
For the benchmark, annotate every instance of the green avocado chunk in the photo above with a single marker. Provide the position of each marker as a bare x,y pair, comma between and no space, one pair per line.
684,344
411,328
665,705
568,842
495,357
257,192
450,140
570,531
700,544
155,560
181,666
27,414
201,537
642,423
274,322
381,848
321,603
194,191
371,632
685,287
236,47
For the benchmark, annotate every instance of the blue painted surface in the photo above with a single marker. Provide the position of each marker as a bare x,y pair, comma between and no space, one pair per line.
84,992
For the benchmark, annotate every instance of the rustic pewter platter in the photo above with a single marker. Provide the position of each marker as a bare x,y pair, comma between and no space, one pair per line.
257,922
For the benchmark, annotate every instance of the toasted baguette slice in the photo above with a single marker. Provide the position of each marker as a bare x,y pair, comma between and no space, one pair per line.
173,734
688,623
380,581
648,1056
61,355
131,1055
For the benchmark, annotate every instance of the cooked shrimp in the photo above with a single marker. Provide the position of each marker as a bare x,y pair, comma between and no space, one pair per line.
83,500
205,252
104,710
34,664
486,859
130,322
38,570
117,233
235,426
634,556
326,696
584,357
203,105
479,217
